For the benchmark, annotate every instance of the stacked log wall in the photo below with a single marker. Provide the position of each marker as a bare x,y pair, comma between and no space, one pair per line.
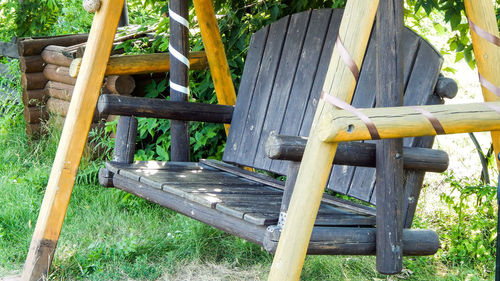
33,80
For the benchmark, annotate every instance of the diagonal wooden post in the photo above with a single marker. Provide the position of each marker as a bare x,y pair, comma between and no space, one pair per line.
318,157
481,13
216,55
73,139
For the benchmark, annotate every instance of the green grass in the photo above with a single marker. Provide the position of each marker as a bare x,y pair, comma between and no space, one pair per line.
112,235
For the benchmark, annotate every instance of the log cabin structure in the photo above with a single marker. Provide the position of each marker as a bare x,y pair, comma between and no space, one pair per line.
293,110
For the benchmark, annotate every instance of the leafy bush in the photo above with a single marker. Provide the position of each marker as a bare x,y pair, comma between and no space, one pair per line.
468,231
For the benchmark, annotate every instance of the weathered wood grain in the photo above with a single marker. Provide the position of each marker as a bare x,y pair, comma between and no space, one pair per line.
159,108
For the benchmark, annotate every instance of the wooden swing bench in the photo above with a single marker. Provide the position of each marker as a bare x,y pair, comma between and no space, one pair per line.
284,71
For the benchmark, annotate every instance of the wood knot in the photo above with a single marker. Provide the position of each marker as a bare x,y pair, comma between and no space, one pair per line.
91,6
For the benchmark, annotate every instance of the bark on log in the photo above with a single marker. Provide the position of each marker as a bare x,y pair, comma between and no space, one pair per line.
119,84
35,114
54,55
34,97
59,90
58,74
34,46
145,63
31,64
60,107
33,81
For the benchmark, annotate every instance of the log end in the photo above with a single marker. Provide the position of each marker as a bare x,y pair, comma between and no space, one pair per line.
91,6
74,67
446,87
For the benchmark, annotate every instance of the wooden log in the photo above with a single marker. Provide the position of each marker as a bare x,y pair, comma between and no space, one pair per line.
58,74
160,108
216,55
61,108
354,32
31,64
179,77
33,81
358,154
389,155
144,63
360,241
34,46
126,132
482,14
119,85
34,130
72,143
34,114
401,122
59,90
34,97
54,55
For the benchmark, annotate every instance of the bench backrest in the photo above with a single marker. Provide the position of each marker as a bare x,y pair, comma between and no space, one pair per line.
284,71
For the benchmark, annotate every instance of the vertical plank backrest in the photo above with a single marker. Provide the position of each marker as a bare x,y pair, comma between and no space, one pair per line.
247,85
284,72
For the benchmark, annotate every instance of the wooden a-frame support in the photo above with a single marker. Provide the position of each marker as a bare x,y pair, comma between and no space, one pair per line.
326,133
80,113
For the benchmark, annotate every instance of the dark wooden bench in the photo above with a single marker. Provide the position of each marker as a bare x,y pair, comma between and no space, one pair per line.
281,84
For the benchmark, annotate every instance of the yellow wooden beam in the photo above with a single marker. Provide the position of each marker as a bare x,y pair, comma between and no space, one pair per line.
317,161
482,14
142,64
401,122
73,139
216,55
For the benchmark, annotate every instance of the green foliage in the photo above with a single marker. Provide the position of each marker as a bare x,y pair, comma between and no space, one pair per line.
452,12
469,234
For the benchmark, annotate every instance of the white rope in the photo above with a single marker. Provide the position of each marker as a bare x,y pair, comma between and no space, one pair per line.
178,18
179,88
176,54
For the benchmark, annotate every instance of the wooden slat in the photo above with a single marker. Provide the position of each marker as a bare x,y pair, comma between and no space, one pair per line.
322,22
285,76
262,91
250,74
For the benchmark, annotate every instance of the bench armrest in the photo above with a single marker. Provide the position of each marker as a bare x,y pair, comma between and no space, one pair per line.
282,147
160,108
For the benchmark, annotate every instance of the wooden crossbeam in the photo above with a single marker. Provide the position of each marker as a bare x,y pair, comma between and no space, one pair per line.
401,122
73,139
316,164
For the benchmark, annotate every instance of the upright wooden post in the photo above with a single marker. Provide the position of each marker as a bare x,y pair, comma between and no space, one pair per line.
124,16
217,61
73,139
317,161
179,80
389,178
481,13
